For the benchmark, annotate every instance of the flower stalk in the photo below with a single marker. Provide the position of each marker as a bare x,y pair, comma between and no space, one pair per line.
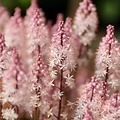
61,83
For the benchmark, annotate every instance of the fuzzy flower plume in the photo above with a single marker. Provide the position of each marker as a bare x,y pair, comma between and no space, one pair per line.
41,85
103,101
37,34
4,17
15,84
41,76
107,59
62,64
62,54
15,37
90,101
9,114
74,40
56,25
30,12
85,22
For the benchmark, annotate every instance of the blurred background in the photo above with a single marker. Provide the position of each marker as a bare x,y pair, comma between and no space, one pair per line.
108,10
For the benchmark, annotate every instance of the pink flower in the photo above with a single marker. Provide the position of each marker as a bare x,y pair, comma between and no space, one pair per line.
37,35
15,37
85,22
30,12
107,59
15,85
56,25
90,100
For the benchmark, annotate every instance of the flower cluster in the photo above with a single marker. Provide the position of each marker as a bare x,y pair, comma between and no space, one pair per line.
85,26
40,62
107,59
100,98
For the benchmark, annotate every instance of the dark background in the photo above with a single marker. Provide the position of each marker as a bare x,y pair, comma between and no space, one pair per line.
108,10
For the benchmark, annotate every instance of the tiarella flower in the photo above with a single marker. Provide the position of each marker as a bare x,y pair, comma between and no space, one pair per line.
41,86
9,114
57,95
37,34
15,37
62,63
89,97
61,50
74,39
96,95
34,101
85,29
71,104
114,83
70,81
41,75
30,12
56,25
84,25
107,59
53,74
16,85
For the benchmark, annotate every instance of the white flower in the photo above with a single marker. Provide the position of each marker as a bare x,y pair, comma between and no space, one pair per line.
49,113
9,114
114,83
70,104
34,101
57,95
53,74
50,83
80,110
100,73
70,81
